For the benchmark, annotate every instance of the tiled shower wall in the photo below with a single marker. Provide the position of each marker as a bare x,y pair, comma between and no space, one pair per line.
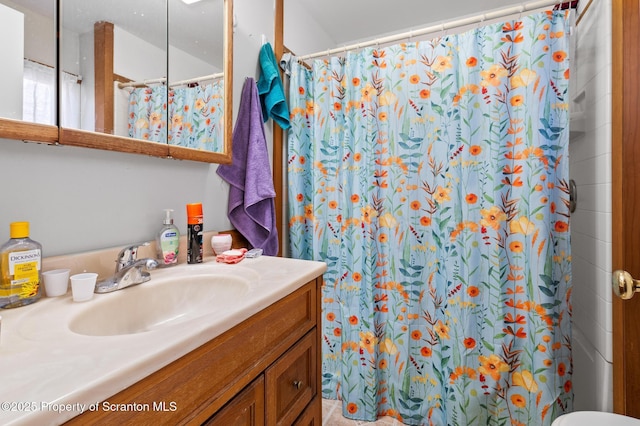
590,163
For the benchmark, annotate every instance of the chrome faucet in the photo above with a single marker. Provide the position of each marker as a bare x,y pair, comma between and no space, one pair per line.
129,270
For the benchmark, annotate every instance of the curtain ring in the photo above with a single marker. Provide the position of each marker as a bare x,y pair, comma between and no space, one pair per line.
480,24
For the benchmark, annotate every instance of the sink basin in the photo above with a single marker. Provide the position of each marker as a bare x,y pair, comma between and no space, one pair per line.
156,305
587,418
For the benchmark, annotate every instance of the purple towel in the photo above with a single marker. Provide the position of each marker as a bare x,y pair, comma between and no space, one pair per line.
251,207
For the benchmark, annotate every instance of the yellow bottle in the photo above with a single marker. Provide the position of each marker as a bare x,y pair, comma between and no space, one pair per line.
20,268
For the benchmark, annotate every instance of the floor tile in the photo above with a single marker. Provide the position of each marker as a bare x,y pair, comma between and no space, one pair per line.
332,416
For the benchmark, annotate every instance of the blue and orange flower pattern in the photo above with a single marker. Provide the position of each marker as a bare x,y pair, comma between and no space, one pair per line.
195,115
432,178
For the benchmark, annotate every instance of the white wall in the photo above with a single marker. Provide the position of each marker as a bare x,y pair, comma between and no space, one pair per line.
590,165
39,40
86,65
302,33
80,199
252,20
136,58
39,46
11,28
183,66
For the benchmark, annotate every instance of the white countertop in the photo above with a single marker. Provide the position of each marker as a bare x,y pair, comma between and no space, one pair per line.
49,374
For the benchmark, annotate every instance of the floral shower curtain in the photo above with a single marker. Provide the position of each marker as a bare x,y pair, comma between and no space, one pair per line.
195,115
148,113
432,178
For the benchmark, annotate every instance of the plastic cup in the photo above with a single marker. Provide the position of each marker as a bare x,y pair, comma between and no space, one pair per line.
83,285
56,282
220,243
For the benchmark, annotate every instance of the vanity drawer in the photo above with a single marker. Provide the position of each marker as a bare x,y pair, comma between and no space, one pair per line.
312,415
291,382
245,409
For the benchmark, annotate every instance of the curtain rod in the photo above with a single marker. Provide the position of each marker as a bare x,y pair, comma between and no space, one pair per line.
175,83
217,76
525,7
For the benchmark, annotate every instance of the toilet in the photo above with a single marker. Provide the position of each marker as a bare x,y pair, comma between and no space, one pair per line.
594,418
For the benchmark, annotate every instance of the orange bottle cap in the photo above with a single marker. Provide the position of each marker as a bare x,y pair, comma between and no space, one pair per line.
194,213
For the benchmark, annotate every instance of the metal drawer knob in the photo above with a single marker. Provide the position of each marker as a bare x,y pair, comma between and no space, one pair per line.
297,384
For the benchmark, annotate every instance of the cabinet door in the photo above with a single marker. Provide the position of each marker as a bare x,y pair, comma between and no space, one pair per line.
291,382
312,415
245,409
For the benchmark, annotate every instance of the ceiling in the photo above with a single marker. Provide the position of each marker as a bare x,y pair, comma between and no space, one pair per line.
349,21
345,21
196,28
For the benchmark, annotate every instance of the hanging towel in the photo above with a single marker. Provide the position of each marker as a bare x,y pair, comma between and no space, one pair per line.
285,63
272,98
251,208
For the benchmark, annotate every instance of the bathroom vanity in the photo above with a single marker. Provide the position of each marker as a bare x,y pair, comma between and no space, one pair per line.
247,353
263,371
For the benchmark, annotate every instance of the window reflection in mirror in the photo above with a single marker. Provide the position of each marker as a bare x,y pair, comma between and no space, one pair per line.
28,74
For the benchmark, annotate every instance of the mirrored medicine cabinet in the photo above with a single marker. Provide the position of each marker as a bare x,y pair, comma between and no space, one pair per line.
147,77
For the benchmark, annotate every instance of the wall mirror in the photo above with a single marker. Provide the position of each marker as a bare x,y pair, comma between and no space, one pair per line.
154,77
28,110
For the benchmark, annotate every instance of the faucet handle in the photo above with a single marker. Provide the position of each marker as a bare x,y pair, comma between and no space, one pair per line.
128,255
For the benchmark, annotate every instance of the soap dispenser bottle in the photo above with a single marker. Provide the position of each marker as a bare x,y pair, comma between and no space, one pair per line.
168,241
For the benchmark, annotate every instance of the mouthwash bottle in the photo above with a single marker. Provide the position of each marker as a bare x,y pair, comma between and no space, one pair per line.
20,268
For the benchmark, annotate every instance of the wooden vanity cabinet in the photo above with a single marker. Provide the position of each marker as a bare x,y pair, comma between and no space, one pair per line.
245,409
264,371
291,382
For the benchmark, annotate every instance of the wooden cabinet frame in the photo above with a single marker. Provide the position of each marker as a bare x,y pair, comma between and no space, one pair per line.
200,383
